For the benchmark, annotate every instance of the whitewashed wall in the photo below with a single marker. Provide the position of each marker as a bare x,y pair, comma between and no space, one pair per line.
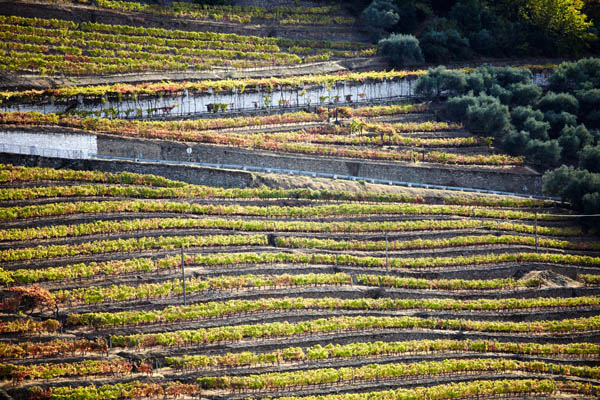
60,145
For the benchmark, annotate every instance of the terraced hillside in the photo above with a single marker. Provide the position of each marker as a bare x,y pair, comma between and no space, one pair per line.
336,140
129,286
53,46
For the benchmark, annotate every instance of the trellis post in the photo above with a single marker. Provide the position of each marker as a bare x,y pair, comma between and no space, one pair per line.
387,257
183,276
535,230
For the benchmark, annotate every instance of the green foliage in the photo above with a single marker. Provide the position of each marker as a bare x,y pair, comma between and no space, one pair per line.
561,22
591,204
580,75
525,94
456,107
488,118
589,158
573,139
440,81
558,102
536,129
558,121
514,142
445,45
589,107
520,114
380,17
504,95
507,76
401,49
543,152
484,42
409,18
468,15
573,185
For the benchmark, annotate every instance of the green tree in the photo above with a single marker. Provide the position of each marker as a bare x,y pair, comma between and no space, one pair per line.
560,20
521,114
380,17
444,45
401,49
589,158
514,142
487,119
543,152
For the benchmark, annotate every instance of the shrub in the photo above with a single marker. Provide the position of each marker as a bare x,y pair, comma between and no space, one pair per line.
380,16
504,95
571,184
484,42
589,158
543,152
591,204
446,45
536,129
440,81
569,76
595,136
506,76
475,82
520,114
589,107
482,78
570,144
515,141
525,94
488,119
558,102
558,121
456,107
467,15
401,49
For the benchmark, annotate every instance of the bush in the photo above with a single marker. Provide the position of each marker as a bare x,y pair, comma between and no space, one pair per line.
514,142
401,49
558,102
504,95
467,14
520,114
589,107
484,42
475,82
446,45
525,94
595,136
570,144
380,17
570,76
488,119
589,158
440,81
571,184
591,205
456,107
554,182
482,78
543,152
558,121
536,129
506,76
409,20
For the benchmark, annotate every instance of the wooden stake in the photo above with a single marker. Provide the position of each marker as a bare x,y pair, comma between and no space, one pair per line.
183,277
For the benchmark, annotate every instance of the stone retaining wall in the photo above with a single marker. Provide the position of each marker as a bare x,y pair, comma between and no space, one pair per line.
521,180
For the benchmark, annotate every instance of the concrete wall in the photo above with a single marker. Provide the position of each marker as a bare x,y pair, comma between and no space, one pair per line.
521,180
55,144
